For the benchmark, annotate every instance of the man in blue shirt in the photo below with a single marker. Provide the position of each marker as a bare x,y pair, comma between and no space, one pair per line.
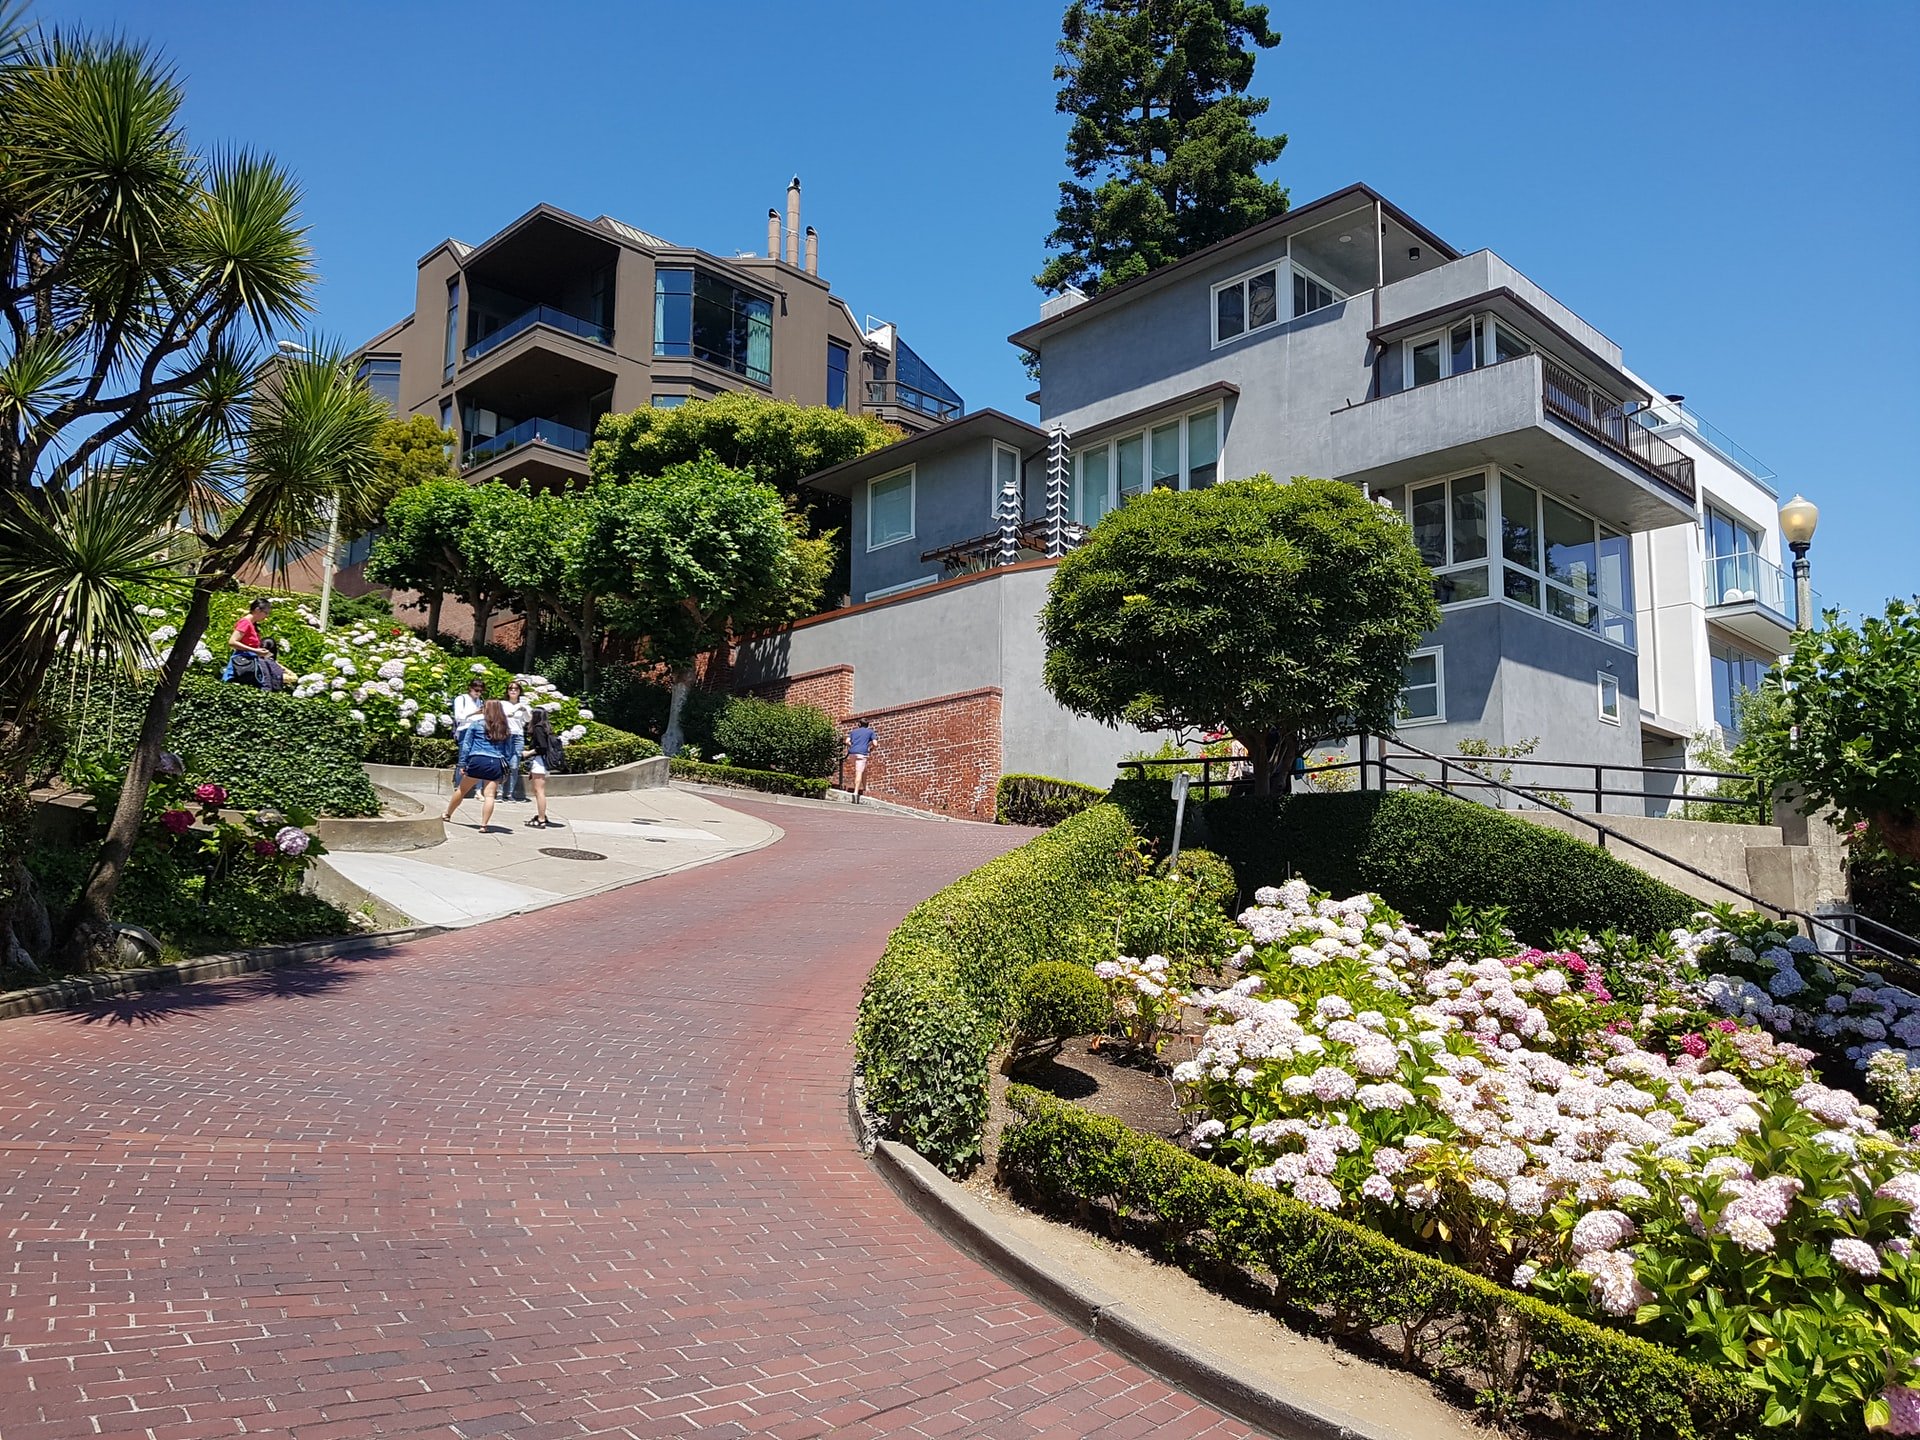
860,743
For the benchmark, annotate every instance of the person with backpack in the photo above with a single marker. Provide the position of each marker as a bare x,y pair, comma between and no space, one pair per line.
485,762
546,754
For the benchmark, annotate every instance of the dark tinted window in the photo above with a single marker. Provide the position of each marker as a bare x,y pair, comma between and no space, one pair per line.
710,319
382,376
836,375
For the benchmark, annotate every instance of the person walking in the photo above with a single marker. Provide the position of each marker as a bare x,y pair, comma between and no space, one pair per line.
546,754
519,716
467,715
860,747
484,763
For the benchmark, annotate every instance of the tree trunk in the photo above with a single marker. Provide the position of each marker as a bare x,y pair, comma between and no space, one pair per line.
1899,831
433,613
1286,749
1260,760
89,938
482,613
587,647
529,612
671,741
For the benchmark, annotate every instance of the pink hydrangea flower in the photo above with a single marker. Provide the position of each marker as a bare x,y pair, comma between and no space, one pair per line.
177,822
210,794
1695,1045
1855,1255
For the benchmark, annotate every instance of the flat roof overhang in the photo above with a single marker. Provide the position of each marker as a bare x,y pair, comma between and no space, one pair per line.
536,464
1754,623
979,427
1495,416
1529,320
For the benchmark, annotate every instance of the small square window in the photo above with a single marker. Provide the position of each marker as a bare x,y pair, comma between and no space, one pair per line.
1423,692
1609,697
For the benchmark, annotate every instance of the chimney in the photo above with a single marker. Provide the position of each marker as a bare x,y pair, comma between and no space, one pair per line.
773,234
793,221
813,251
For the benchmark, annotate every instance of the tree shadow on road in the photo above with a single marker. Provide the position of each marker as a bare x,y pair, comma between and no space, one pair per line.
181,1002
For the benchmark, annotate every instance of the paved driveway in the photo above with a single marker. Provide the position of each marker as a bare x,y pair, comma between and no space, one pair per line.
579,1172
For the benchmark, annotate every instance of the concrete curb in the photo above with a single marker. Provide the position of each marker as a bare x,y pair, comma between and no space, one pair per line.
81,989
970,1225
835,800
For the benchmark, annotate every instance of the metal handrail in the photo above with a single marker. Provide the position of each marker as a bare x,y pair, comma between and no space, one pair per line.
1600,416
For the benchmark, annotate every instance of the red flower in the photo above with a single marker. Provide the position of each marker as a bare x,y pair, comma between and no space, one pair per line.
265,848
210,794
177,822
1694,1045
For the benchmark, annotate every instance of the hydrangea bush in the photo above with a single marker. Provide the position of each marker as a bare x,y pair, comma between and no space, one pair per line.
384,675
1586,1131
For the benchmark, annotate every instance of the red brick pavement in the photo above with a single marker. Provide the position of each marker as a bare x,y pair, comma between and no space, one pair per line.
582,1172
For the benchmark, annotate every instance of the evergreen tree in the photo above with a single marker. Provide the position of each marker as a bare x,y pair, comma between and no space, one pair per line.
1163,150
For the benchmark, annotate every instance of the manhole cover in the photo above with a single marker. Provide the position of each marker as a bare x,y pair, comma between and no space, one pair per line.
560,854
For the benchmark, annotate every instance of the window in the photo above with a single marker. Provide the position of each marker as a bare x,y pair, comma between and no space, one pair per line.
1179,454
703,317
890,510
453,329
1609,697
1006,471
1552,557
381,375
1467,344
668,402
447,422
1735,673
836,375
1423,699
1252,302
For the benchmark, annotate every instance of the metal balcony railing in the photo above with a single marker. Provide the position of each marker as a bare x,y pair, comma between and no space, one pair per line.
547,432
539,315
1604,420
881,393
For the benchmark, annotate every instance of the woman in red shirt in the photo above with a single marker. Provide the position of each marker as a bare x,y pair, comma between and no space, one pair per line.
251,658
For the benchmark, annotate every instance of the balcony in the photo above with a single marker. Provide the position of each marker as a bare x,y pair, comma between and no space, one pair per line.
559,454
889,398
539,315
1753,598
1531,416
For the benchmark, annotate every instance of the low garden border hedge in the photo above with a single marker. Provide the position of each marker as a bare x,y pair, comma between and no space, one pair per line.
603,749
939,1000
1517,1354
1041,799
771,781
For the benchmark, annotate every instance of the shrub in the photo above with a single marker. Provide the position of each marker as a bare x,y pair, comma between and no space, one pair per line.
1041,800
1207,872
269,751
943,992
1052,1002
1149,808
765,735
603,749
771,781
1522,1356
1174,917
1421,852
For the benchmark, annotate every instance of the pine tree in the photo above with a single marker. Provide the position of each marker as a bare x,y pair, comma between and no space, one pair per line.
1163,149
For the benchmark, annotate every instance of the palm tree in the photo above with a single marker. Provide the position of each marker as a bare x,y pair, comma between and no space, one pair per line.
252,461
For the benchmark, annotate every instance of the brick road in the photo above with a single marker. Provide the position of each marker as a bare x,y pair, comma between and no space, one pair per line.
582,1172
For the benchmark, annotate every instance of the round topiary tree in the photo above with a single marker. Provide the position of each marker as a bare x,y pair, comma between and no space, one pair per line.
1281,611
1054,1001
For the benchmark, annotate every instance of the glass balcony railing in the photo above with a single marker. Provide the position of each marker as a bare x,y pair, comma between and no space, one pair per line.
540,315
1748,578
884,393
547,432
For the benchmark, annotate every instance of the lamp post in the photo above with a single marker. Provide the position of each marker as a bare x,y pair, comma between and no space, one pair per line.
290,348
1797,520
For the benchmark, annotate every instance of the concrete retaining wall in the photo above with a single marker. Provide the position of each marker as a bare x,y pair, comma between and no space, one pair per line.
419,780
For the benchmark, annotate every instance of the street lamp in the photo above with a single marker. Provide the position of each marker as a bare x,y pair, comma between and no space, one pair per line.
289,349
1797,520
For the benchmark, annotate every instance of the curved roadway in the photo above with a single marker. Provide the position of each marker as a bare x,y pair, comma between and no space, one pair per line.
580,1172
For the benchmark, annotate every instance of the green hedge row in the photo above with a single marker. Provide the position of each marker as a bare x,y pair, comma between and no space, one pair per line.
603,749
1041,799
940,998
267,750
771,781
1520,1355
765,735
1422,853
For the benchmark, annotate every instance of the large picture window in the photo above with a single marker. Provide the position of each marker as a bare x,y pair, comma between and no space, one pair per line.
1735,673
890,510
702,317
837,357
1552,557
1178,454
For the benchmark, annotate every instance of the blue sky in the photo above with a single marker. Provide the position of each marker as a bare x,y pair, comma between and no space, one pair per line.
1727,189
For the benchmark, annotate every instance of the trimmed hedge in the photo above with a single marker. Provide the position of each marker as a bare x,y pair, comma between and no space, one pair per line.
1041,799
1520,1355
1149,808
1422,853
942,996
604,748
771,781
267,750
765,735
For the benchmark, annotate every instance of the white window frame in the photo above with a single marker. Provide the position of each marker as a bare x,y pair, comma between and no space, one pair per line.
1111,445
1439,717
905,585
1485,346
1281,303
1294,267
993,479
1608,678
1486,562
913,501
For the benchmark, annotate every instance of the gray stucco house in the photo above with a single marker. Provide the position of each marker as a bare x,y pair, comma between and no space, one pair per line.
1345,340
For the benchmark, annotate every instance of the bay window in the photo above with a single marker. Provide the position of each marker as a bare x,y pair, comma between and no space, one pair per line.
1178,454
1467,344
1254,301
